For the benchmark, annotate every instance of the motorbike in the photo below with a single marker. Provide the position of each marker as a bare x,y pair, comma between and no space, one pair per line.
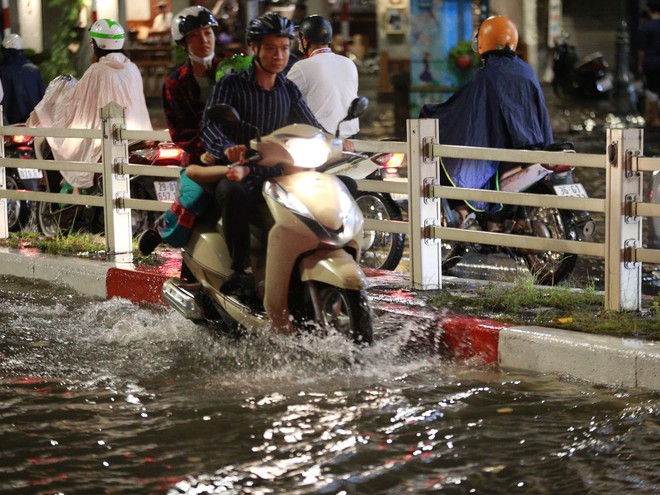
305,254
54,218
19,212
548,268
587,77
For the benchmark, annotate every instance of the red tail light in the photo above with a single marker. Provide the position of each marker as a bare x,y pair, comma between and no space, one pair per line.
170,153
21,139
389,160
167,154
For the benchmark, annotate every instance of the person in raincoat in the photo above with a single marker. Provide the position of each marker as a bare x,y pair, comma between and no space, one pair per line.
502,106
112,77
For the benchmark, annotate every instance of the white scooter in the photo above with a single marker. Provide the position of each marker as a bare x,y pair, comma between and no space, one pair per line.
309,272
382,250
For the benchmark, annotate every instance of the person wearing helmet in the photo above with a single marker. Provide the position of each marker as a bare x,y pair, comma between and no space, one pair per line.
112,77
502,106
20,80
327,81
184,95
267,100
187,88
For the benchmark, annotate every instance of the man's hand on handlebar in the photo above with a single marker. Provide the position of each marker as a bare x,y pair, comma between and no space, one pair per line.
236,155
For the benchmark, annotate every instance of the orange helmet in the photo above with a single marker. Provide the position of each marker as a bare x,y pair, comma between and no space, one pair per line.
496,33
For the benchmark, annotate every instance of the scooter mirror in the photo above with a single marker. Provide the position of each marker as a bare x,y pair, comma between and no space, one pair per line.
357,107
223,113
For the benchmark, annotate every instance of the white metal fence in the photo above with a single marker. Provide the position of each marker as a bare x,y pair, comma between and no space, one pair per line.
622,206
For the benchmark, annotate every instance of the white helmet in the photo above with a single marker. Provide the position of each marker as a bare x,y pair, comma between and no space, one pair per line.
108,34
13,41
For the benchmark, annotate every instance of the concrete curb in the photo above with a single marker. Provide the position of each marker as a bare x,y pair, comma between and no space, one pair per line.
597,359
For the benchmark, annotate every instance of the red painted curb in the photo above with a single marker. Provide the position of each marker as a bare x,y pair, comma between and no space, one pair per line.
466,338
136,286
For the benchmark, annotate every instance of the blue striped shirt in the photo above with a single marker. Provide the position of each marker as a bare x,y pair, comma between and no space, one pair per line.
266,110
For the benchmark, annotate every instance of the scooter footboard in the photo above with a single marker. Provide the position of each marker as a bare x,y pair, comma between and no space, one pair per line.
334,267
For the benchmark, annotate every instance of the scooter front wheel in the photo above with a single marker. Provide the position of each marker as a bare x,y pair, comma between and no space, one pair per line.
380,250
346,311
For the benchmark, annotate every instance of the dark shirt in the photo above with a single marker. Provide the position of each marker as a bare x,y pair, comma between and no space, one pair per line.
263,109
22,85
183,106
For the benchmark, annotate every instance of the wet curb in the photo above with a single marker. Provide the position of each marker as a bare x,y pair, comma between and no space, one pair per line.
597,359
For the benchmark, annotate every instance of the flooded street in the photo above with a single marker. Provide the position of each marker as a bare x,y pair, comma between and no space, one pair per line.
109,397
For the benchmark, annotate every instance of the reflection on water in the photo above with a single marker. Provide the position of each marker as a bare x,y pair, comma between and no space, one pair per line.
107,397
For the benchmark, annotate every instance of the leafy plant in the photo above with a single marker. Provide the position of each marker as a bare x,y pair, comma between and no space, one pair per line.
68,32
463,56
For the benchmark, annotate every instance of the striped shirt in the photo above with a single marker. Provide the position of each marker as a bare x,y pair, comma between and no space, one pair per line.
266,110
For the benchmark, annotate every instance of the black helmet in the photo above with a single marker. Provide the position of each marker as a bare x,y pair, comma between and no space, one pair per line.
189,19
268,24
317,29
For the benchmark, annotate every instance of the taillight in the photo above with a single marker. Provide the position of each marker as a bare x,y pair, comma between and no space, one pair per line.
169,153
162,155
21,139
389,160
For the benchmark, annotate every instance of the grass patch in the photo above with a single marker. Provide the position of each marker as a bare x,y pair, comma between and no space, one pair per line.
80,244
523,303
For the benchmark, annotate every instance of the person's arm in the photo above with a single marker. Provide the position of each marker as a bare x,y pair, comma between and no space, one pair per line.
204,175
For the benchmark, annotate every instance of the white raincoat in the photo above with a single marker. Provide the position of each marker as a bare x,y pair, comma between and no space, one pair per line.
72,105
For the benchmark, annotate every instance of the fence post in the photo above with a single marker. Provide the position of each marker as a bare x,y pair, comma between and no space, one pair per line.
116,186
623,229
4,222
423,213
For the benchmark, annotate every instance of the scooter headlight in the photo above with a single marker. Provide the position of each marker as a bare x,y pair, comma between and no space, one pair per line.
351,216
308,152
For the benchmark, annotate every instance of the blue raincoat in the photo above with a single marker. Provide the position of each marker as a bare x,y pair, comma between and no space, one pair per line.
501,107
23,85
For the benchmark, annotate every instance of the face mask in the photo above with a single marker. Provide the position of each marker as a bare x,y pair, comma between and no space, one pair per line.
205,61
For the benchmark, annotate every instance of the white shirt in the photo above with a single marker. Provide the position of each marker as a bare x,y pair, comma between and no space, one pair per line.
328,82
76,105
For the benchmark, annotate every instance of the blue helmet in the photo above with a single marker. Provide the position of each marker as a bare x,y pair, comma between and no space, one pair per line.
268,24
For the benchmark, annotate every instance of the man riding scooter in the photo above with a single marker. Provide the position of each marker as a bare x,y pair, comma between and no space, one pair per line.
267,100
501,107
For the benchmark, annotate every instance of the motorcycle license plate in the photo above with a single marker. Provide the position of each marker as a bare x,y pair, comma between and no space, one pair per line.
29,173
165,190
575,190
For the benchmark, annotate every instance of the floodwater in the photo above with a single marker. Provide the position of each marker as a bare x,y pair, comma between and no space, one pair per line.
105,397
